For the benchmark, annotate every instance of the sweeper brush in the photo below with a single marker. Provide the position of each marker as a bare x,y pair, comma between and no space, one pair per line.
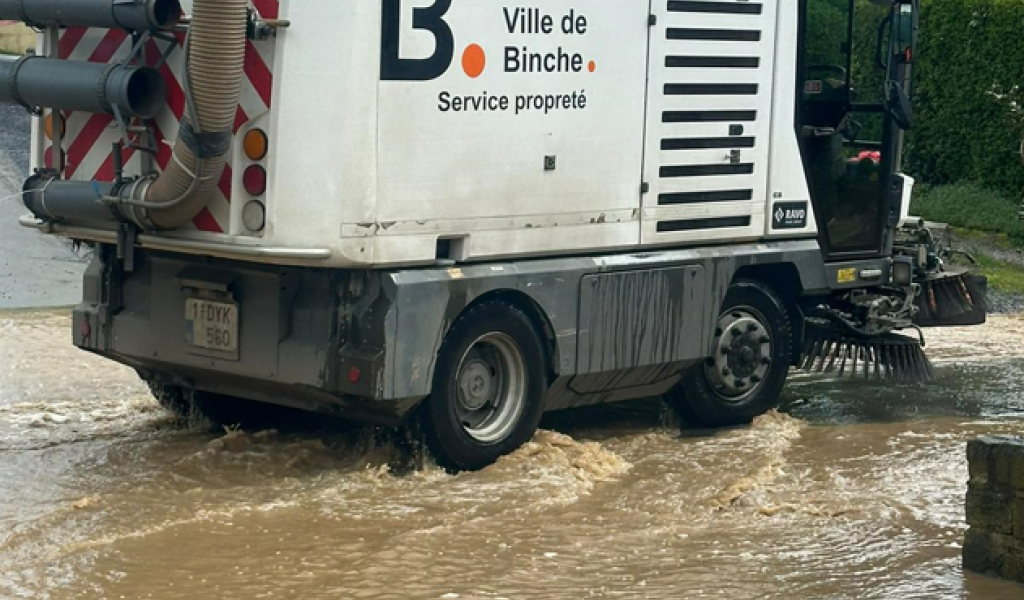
952,297
888,356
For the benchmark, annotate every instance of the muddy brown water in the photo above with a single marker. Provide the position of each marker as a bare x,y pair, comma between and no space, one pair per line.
851,491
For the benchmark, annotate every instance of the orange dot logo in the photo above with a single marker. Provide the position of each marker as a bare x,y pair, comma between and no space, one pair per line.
592,66
473,60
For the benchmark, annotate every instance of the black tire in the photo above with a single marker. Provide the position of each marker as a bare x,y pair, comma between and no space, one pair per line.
488,390
745,376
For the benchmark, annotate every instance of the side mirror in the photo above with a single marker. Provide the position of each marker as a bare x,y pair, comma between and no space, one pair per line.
897,104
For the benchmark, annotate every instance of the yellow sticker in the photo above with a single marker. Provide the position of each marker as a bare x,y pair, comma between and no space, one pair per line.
846,275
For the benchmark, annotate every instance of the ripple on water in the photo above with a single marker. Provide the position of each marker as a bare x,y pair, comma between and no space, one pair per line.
52,392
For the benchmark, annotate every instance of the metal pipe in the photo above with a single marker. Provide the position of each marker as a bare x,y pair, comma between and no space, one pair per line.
77,201
132,15
271,24
215,58
36,82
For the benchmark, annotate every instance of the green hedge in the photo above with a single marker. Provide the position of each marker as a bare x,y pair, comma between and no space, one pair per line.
962,132
968,205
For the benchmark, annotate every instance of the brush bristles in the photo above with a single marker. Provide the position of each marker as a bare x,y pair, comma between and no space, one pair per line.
976,289
950,296
890,357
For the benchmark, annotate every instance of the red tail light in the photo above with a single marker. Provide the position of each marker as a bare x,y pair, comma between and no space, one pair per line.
254,180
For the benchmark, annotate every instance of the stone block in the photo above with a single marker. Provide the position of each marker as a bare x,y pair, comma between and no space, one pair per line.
994,554
1013,567
994,544
978,455
990,508
1017,516
997,459
980,553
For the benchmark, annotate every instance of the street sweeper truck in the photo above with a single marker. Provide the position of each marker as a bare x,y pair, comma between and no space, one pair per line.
461,214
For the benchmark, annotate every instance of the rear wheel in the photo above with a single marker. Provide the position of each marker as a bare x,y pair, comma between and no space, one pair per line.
488,388
750,360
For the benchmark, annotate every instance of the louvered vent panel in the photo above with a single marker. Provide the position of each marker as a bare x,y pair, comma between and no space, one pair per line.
709,105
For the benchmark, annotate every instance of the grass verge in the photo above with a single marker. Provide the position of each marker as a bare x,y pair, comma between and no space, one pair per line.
1003,276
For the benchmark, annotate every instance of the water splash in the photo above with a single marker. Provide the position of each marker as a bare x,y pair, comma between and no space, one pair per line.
774,433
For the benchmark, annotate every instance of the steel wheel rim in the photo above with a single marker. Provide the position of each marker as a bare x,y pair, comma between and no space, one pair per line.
490,387
742,355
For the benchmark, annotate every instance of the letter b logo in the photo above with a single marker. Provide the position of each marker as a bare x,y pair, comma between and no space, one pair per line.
395,68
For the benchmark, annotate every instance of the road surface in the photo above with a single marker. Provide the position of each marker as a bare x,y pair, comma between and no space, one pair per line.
854,491
35,270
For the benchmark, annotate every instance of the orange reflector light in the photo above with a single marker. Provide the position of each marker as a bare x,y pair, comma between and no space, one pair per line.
255,180
52,119
256,144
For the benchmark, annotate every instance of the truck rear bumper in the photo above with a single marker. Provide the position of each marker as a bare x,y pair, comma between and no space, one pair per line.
293,341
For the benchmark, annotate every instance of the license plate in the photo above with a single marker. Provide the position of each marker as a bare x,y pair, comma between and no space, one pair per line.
211,325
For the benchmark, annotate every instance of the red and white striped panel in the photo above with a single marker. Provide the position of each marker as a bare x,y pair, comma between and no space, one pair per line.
89,138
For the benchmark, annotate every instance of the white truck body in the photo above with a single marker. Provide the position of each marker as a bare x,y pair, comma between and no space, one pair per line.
667,125
508,209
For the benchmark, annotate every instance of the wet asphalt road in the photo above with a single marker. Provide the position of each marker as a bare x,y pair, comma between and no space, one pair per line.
855,491
35,270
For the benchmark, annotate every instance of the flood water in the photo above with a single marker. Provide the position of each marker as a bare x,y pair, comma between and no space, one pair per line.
851,491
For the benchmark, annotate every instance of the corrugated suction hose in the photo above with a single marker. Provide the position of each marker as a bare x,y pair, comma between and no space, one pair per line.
216,60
